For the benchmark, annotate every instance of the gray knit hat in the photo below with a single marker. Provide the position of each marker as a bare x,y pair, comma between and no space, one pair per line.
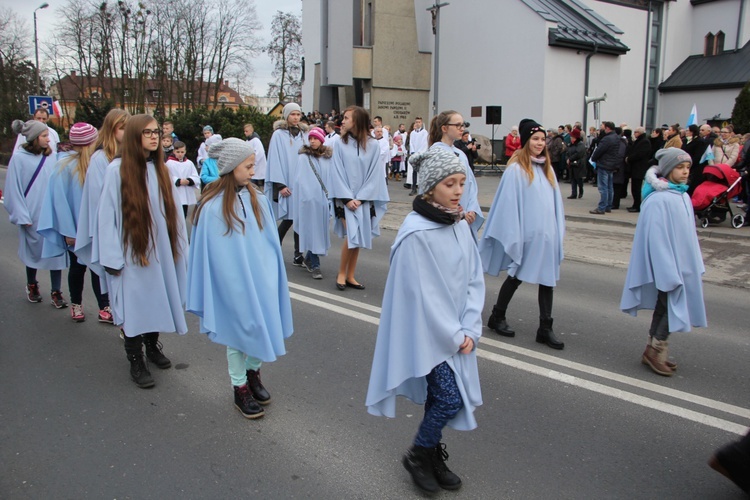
433,166
289,107
669,158
229,153
30,130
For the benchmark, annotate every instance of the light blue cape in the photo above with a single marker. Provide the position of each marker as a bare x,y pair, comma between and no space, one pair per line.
237,282
525,228
433,298
666,256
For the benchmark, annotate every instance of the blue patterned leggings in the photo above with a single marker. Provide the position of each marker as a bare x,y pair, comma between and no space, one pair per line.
443,403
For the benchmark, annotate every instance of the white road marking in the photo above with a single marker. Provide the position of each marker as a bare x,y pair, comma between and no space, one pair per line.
630,397
678,411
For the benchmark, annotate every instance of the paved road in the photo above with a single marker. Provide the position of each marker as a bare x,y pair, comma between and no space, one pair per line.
587,422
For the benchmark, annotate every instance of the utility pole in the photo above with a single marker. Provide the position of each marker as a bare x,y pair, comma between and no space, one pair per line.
36,47
435,11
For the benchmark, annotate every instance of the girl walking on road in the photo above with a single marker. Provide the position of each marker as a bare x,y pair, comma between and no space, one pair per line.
312,207
445,129
237,282
524,232
359,192
59,219
25,187
431,358
140,241
666,266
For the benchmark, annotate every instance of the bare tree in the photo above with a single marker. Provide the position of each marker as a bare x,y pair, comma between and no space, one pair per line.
285,50
16,71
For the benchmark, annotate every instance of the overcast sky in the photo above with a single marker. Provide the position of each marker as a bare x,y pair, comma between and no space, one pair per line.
265,9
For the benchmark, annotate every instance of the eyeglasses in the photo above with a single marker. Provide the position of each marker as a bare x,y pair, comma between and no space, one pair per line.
147,132
457,125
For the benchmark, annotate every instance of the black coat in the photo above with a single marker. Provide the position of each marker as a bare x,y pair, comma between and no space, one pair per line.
609,153
577,159
639,157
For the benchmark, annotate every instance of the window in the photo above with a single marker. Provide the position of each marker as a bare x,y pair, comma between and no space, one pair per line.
156,93
223,98
126,93
94,94
187,95
719,43
713,44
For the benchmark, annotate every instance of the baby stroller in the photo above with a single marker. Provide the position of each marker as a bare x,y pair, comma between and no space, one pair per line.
711,198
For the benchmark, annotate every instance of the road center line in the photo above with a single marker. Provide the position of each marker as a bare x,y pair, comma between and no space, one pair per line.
694,416
336,298
678,411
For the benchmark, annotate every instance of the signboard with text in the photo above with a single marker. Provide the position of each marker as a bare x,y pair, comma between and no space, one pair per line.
40,101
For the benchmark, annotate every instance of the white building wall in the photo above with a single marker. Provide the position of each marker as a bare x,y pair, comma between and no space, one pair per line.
311,45
676,106
484,61
715,16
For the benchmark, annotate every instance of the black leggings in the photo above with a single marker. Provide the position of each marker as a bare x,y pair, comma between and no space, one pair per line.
76,275
283,228
660,320
510,286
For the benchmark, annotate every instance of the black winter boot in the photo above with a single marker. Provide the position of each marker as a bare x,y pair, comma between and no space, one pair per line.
138,369
260,393
244,401
419,462
153,351
545,335
444,476
497,323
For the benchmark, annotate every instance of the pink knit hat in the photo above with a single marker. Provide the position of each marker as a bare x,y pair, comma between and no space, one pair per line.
82,134
318,133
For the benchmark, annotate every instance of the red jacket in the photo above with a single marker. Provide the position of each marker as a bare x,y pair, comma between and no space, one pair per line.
511,144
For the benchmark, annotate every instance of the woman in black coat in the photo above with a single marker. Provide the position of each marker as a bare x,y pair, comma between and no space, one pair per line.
638,160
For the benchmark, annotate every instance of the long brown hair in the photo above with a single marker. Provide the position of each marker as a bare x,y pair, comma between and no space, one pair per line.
113,121
81,155
437,124
361,130
523,158
35,148
137,230
226,186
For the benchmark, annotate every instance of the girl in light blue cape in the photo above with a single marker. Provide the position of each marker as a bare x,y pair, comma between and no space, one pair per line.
666,266
141,242
445,129
359,191
289,136
58,222
110,137
431,357
25,186
237,282
525,230
312,207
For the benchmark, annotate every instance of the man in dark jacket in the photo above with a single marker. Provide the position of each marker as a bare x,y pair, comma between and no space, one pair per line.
468,147
638,160
608,157
707,138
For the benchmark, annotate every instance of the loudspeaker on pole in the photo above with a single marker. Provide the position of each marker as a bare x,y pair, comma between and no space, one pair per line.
494,115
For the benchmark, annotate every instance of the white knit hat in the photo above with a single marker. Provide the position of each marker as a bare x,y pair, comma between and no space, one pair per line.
229,153
289,108
433,166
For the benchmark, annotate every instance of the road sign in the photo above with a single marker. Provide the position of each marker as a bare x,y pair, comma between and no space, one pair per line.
40,101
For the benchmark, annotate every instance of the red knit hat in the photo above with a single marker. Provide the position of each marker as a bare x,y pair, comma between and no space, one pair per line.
82,134
318,133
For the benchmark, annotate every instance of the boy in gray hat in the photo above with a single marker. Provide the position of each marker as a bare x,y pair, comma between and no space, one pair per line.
665,263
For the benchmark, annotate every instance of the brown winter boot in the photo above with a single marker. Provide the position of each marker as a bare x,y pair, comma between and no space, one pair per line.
656,356
670,364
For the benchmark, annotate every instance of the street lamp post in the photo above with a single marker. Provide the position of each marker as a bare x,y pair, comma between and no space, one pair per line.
435,11
36,47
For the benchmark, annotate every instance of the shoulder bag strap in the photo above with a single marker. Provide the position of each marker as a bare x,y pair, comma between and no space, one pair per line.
317,175
33,177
